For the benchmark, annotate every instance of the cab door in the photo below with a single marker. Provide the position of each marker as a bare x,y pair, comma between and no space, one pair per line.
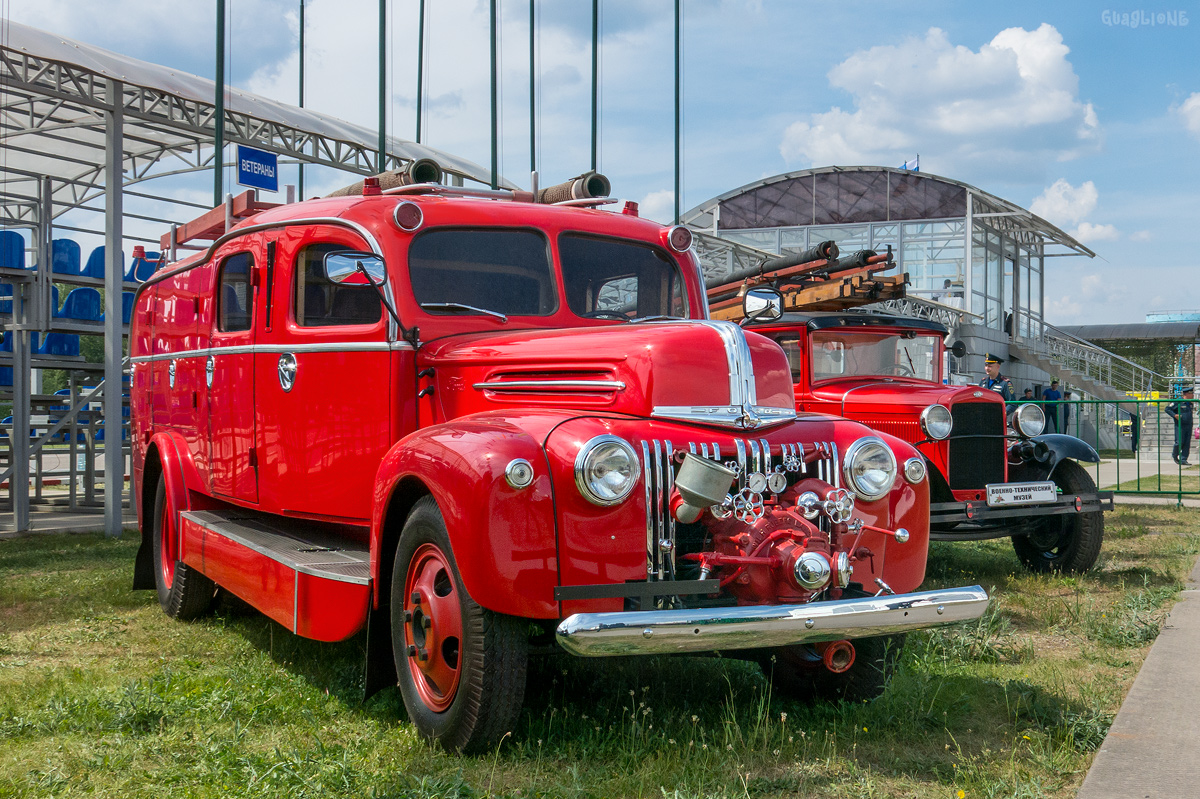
229,374
326,382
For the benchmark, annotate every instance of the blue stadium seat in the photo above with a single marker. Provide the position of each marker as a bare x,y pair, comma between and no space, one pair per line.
64,257
59,345
12,250
6,291
95,263
84,304
127,298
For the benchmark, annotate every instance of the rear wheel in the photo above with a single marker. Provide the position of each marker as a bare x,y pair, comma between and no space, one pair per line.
461,668
798,671
183,592
1067,543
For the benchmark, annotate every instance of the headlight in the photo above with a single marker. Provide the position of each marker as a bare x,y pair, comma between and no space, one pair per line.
936,422
870,468
1028,420
606,470
914,470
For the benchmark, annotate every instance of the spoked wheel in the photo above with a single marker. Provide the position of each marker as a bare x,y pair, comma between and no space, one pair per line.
461,667
183,592
1067,543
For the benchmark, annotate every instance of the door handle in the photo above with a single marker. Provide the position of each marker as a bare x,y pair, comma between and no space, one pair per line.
287,371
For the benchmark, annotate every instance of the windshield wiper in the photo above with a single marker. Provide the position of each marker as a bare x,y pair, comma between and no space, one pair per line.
458,307
659,318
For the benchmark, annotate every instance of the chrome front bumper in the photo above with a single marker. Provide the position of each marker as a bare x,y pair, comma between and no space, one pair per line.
652,632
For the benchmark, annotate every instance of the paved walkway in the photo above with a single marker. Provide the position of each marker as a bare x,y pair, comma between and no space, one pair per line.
48,519
1153,747
1151,464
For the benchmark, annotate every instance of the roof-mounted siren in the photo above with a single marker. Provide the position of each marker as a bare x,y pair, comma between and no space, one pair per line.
587,186
419,170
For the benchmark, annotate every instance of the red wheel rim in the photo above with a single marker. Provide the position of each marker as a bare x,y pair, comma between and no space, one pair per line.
433,627
168,548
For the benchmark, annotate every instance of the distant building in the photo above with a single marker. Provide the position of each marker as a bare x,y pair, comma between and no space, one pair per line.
993,252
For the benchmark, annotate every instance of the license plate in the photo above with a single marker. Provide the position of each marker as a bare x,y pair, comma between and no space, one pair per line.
999,494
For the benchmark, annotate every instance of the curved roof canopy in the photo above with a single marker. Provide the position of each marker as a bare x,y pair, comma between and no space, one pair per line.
54,93
841,195
1181,332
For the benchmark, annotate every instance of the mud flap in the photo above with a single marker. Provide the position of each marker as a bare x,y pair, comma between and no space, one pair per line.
380,667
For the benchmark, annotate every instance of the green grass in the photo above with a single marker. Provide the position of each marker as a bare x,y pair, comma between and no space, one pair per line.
101,694
1170,482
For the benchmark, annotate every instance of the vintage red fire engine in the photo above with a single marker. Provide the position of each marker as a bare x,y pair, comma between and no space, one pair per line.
992,471
465,420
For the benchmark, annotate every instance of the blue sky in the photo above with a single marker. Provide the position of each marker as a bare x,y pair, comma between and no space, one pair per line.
1058,107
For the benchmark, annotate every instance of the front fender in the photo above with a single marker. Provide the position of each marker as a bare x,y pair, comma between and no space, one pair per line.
502,538
1062,447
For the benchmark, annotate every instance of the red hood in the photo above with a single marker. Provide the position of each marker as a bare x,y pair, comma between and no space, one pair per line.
692,371
867,396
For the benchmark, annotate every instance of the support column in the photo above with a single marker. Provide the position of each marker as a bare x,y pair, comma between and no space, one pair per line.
114,184
19,481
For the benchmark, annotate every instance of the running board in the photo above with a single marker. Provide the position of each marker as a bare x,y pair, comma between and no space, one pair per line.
313,582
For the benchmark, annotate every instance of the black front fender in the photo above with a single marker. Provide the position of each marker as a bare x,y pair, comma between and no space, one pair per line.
1061,447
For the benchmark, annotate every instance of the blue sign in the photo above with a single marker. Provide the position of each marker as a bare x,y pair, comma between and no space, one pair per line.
257,169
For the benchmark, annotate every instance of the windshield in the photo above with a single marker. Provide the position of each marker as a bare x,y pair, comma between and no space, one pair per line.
614,279
485,272
843,353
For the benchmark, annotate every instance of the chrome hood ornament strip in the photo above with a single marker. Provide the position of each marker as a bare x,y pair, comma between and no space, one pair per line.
743,410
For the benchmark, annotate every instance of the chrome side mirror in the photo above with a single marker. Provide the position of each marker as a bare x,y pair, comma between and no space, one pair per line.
762,304
344,267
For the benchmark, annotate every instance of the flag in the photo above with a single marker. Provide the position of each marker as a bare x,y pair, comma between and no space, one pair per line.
913,165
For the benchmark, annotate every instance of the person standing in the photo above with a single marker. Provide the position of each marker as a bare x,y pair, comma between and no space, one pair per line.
1051,397
996,381
1181,412
1066,409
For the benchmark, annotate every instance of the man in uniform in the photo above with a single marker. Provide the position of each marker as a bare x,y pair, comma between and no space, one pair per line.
1181,412
996,381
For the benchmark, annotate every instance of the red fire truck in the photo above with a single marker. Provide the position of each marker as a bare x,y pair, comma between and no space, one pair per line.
466,420
993,473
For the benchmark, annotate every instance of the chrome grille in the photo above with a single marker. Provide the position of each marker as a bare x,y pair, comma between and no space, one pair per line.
658,477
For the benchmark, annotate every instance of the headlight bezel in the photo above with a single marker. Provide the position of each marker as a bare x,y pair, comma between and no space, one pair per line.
854,452
928,424
587,451
915,470
1023,426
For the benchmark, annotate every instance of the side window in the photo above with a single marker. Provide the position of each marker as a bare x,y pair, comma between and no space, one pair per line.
615,278
234,296
320,303
795,356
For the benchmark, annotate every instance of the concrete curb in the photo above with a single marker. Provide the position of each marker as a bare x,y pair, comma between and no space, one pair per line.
1151,749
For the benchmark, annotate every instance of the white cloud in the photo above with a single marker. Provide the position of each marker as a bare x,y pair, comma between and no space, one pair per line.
659,206
1089,233
1011,105
1141,235
1066,205
1190,111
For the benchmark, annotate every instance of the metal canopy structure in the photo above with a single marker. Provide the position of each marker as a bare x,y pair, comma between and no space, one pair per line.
80,124
56,92
842,195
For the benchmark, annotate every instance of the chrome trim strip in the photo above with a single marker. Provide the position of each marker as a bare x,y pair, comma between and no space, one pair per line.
559,385
755,455
741,459
279,349
762,626
668,487
651,558
836,467
295,601
659,503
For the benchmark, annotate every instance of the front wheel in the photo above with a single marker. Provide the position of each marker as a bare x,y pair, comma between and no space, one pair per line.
461,668
183,592
1066,543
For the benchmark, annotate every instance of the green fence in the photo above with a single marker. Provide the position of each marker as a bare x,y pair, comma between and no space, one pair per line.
1138,441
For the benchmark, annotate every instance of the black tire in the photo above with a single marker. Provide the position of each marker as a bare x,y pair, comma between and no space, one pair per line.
464,684
1069,543
183,592
797,671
